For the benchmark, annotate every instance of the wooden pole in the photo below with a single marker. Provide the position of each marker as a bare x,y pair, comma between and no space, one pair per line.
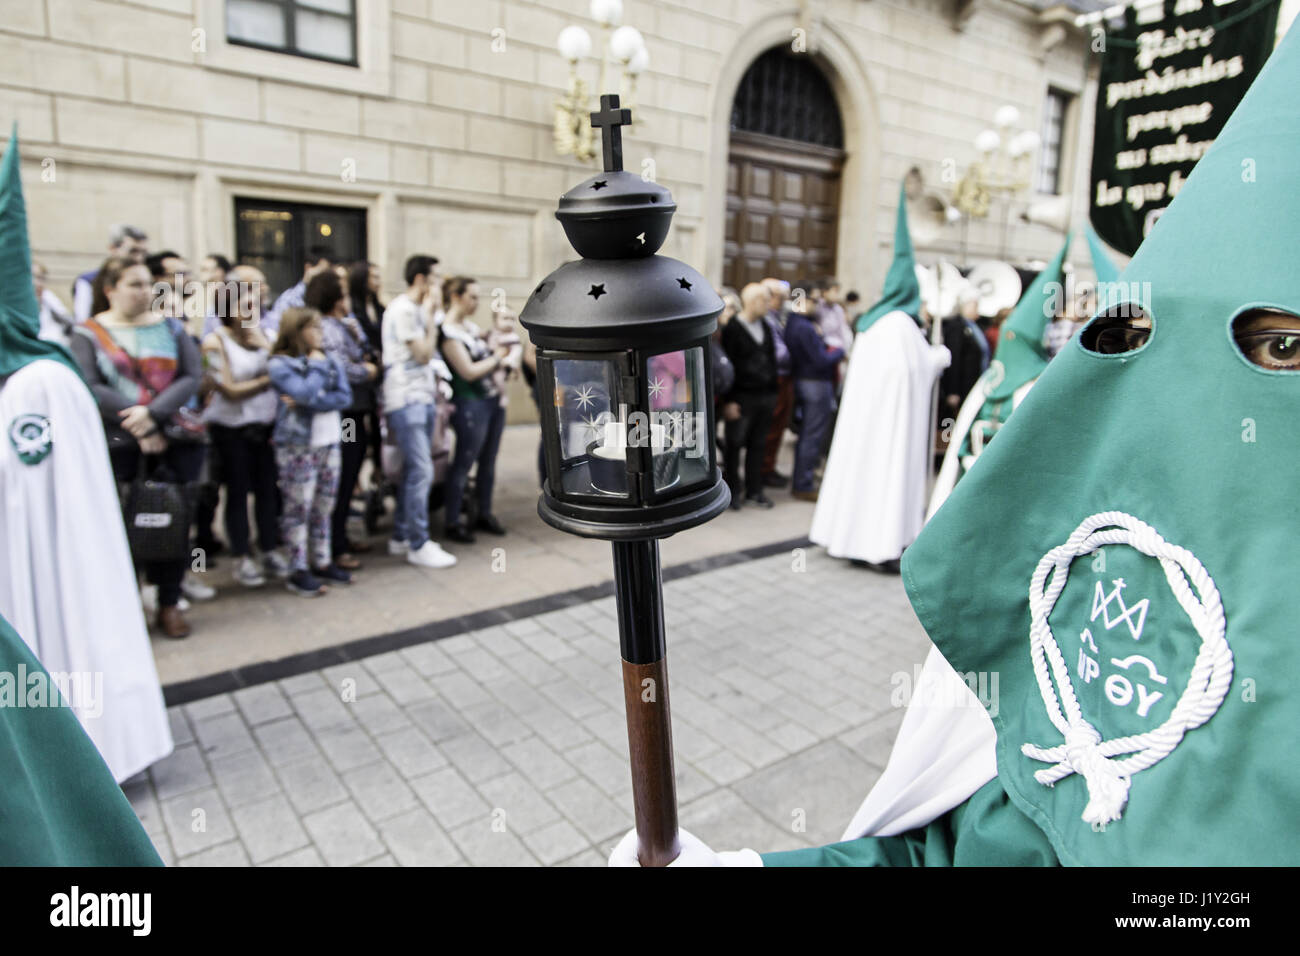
639,596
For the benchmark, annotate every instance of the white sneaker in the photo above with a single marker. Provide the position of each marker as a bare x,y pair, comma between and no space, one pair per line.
149,599
398,548
430,555
196,590
248,573
276,563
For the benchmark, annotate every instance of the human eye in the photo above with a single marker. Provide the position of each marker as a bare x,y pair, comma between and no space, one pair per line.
1273,350
1269,339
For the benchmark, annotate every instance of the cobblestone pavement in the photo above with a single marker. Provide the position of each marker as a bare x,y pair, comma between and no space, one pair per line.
508,746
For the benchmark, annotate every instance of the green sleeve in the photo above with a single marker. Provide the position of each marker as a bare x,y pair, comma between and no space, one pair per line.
986,830
59,803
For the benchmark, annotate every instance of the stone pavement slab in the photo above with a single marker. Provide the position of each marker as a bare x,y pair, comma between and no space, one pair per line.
507,745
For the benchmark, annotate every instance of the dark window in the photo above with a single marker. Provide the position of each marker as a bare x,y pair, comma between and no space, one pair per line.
275,236
320,29
1048,179
784,94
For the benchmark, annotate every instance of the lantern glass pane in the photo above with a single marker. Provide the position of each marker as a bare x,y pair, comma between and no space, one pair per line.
592,439
679,439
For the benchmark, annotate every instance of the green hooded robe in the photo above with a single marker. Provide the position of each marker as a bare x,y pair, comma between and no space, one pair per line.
1125,555
59,805
1021,355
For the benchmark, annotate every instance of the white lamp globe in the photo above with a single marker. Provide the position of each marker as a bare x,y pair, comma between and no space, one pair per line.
625,42
1022,144
1006,116
639,63
573,43
607,13
988,141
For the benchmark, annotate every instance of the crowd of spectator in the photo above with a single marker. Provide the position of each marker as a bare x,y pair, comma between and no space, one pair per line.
208,382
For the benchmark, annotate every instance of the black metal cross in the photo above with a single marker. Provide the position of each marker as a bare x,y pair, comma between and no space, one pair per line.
610,121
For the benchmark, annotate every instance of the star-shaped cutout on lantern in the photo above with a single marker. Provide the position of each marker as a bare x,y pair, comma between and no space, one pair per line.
593,427
641,239
656,387
683,283
597,291
584,395
599,184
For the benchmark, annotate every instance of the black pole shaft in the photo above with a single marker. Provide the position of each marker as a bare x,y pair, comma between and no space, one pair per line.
639,596
640,599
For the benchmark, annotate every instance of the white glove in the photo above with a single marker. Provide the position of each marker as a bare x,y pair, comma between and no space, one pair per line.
694,853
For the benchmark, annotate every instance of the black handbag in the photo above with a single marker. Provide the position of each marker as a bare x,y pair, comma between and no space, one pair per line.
158,513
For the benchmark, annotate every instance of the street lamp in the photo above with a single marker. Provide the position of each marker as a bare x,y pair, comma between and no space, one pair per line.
622,338
1002,170
573,134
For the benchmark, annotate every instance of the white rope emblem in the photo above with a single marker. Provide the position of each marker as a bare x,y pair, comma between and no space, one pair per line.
1084,752
32,437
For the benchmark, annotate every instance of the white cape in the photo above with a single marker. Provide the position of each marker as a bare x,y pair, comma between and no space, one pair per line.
944,752
66,580
872,500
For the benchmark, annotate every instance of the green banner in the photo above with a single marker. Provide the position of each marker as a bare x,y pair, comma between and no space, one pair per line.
1170,78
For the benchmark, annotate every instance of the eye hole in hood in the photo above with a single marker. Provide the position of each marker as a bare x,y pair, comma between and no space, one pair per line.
1122,328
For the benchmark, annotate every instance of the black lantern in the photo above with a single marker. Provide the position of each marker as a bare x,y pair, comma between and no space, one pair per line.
624,371
624,367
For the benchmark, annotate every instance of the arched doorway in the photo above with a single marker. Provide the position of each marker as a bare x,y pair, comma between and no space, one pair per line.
783,172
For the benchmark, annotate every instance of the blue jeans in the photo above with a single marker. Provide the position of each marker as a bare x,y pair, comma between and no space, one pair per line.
478,423
817,399
412,427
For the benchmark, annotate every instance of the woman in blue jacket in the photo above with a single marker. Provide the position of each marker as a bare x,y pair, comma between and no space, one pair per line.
313,388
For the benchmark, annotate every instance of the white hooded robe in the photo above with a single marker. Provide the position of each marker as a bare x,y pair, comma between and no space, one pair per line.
67,583
872,500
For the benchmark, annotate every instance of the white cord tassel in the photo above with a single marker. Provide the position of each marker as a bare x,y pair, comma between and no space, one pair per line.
1107,787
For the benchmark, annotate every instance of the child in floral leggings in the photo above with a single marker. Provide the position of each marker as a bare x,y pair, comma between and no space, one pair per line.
313,388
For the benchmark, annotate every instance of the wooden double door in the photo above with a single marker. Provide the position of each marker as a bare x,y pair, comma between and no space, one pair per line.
783,200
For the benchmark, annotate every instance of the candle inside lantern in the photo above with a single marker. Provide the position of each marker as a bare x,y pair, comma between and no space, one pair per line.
613,444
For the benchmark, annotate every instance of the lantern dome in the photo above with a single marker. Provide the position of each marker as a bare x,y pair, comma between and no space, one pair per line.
616,215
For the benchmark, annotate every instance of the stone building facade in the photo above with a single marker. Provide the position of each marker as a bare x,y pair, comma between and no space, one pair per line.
440,139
